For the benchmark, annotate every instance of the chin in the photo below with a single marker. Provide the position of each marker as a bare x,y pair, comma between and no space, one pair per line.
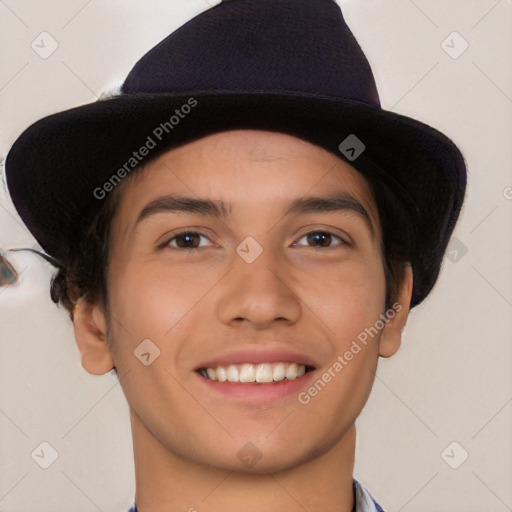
263,458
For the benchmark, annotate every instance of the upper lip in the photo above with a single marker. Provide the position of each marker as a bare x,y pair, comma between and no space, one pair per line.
259,356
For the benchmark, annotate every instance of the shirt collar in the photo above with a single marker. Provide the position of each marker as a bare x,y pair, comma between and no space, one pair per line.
364,501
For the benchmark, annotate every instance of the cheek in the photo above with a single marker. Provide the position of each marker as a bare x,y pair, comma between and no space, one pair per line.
148,300
145,305
351,308
352,298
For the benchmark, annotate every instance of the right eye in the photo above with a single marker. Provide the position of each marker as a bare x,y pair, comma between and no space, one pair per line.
186,240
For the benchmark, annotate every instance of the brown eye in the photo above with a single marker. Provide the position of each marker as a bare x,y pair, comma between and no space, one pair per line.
321,239
187,240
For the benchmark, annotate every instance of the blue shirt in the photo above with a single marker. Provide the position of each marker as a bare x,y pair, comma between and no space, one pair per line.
363,501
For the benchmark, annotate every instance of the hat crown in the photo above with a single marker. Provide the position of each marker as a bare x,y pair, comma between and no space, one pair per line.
281,46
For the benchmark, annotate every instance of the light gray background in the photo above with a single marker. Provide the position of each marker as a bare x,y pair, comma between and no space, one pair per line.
450,381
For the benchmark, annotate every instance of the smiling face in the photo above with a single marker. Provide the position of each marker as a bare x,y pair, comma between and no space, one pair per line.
281,263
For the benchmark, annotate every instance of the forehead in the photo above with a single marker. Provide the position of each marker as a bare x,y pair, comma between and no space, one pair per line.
244,169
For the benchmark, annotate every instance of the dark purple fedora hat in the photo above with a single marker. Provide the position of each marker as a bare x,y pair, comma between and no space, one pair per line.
283,65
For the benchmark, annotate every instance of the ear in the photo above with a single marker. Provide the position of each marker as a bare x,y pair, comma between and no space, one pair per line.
90,327
397,315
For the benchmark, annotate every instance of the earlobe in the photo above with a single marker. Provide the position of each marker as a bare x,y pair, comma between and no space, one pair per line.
396,318
90,328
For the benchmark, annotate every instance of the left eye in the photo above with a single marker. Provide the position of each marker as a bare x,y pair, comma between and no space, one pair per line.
321,239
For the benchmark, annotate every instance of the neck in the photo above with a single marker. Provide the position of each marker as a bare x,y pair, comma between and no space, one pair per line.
166,482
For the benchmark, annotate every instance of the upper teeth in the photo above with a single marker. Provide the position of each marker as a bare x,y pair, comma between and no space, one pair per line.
248,372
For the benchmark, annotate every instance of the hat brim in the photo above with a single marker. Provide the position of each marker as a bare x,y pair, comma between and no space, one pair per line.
57,163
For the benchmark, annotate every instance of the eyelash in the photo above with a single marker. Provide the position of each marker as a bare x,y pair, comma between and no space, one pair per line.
342,242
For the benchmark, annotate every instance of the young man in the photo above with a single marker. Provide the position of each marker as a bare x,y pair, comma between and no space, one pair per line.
241,233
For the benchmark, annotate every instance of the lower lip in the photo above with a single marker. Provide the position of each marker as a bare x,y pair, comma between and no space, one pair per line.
258,391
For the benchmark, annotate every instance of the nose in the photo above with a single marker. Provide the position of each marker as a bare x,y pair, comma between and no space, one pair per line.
258,294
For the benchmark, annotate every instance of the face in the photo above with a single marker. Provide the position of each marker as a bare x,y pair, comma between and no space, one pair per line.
246,247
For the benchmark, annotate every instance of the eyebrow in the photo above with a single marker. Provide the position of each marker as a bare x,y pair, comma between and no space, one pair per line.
219,209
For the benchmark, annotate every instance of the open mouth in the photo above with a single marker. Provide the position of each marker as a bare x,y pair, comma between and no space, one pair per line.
262,373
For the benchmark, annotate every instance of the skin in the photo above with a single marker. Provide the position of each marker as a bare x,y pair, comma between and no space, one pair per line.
200,304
